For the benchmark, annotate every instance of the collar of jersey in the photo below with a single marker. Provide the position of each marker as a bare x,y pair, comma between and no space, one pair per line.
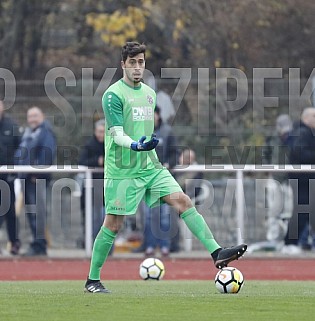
134,88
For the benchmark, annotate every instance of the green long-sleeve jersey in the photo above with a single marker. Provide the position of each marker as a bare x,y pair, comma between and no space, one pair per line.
133,109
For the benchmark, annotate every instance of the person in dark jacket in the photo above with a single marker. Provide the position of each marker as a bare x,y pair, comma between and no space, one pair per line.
38,148
9,141
302,183
279,192
92,155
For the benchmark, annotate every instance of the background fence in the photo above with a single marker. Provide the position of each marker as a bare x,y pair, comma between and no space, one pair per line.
234,206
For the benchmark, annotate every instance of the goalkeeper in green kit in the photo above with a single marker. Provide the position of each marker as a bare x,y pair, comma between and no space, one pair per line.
133,171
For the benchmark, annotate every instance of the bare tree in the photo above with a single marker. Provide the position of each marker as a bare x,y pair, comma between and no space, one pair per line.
22,25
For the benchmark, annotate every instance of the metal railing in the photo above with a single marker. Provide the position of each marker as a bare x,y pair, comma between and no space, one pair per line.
239,171
71,170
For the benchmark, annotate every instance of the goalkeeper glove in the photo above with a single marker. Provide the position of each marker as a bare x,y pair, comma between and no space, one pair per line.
141,146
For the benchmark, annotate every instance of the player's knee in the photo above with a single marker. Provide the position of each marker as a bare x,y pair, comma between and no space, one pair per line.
184,203
113,222
115,228
180,201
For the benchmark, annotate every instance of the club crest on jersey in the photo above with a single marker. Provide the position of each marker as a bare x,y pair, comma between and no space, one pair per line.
142,113
150,99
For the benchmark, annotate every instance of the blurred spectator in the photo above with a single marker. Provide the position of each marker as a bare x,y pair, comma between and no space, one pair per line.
166,106
193,185
38,148
160,225
279,192
279,196
307,239
188,181
302,183
92,155
9,142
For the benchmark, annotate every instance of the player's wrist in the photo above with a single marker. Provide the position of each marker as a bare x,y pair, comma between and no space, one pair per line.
135,146
119,136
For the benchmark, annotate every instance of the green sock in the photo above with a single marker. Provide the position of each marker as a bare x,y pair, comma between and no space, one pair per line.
200,229
102,245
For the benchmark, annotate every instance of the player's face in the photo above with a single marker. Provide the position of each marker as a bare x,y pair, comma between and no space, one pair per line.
133,68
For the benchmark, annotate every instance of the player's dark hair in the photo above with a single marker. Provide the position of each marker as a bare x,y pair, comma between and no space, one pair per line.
131,49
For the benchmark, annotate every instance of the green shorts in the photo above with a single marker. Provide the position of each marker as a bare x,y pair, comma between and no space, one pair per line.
123,196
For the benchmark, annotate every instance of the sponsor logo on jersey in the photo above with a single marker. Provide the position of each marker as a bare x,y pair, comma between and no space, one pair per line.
117,206
142,113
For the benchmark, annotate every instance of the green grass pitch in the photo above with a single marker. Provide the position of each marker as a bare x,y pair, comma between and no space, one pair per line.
157,300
